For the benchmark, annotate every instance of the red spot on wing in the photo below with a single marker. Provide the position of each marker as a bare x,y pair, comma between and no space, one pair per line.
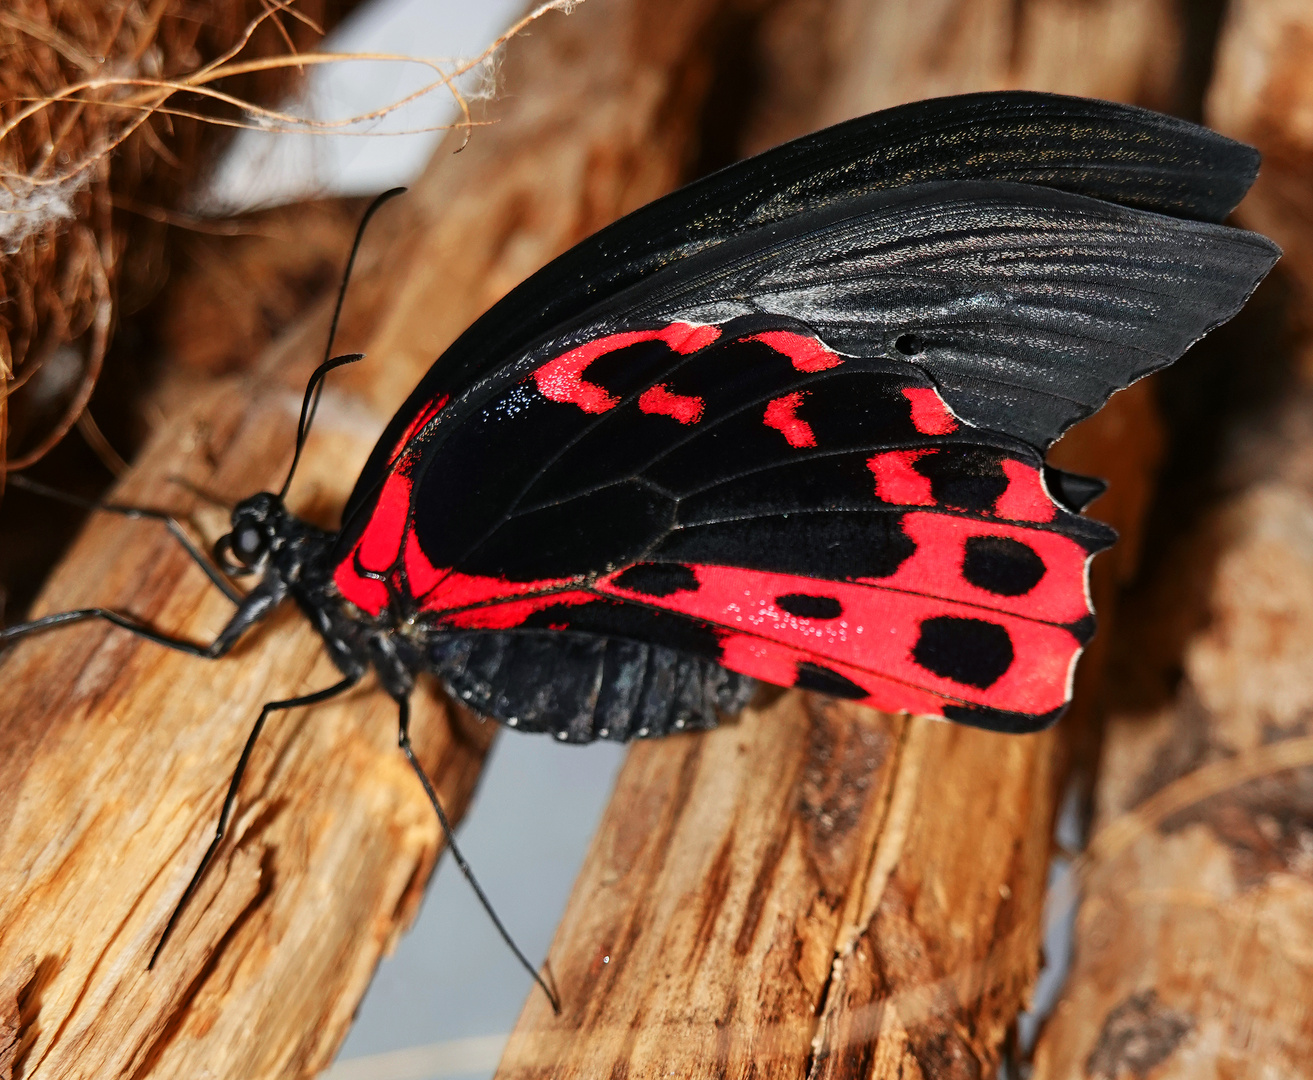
418,424
1025,498
561,379
687,338
378,546
367,594
935,567
683,407
760,658
897,482
421,575
457,590
876,633
781,414
512,613
930,416
381,541
807,353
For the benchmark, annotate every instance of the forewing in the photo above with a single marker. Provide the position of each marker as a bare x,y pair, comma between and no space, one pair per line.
1100,149
1027,307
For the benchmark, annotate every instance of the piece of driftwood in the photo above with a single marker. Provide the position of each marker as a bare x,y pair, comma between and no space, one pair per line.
1192,941
818,889
114,754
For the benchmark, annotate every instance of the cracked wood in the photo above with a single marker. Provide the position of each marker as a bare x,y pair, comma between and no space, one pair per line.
114,754
1192,952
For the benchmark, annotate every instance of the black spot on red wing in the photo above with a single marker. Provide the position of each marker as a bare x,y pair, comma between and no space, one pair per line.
968,651
1083,629
657,579
824,681
1011,723
965,479
808,606
1001,565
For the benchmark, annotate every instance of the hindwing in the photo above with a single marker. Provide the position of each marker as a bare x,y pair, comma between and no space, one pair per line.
744,495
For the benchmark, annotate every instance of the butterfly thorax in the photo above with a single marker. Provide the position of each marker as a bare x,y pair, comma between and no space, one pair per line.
293,559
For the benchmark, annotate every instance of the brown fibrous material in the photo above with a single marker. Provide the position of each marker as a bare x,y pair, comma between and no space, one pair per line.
82,138
107,112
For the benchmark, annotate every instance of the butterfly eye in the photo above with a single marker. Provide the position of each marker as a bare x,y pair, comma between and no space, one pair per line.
247,544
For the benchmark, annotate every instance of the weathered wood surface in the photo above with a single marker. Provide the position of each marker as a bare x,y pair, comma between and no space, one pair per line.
1261,92
1193,939
820,890
114,755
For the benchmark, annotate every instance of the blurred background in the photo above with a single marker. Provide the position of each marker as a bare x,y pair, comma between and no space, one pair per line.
189,250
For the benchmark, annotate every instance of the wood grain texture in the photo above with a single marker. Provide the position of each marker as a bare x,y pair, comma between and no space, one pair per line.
1261,92
1192,941
114,754
821,890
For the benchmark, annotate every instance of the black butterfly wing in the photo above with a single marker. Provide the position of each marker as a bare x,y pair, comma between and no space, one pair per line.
1113,152
672,467
1028,307
580,523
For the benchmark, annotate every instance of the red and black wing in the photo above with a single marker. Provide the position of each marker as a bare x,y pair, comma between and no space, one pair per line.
810,453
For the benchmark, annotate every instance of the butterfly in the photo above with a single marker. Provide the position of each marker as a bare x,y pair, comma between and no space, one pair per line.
787,424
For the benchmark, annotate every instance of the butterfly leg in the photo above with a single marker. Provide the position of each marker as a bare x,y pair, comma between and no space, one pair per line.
230,800
403,740
253,607
171,523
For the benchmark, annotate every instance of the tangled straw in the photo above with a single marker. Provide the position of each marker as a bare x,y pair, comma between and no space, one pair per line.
55,157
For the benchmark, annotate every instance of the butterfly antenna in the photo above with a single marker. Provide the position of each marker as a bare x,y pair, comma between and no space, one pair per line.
311,402
308,404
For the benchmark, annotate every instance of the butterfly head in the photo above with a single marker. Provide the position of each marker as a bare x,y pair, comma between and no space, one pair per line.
258,524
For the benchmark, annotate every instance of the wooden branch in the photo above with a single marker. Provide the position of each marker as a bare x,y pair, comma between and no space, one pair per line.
114,754
818,889
1259,90
1192,954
